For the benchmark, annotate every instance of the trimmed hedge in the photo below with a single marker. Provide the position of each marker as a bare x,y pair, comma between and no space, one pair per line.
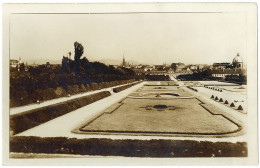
121,88
128,147
21,97
151,77
192,88
32,118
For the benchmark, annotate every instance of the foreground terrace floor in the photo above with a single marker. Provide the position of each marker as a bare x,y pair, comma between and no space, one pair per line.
166,110
122,116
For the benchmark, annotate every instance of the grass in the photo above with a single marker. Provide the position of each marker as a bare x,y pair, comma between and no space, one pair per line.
183,116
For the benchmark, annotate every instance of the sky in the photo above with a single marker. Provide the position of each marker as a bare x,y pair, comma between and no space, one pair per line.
152,38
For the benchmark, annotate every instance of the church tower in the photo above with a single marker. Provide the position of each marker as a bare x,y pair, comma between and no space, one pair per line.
124,63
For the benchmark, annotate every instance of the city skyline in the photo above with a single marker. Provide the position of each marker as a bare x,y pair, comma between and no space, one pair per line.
154,38
109,62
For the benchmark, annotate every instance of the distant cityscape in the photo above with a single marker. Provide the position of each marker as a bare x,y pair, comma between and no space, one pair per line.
218,70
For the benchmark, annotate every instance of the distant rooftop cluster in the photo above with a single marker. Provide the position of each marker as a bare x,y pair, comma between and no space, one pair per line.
222,70
20,65
163,69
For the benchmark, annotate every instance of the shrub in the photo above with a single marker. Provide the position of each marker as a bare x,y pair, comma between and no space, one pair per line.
21,98
87,87
100,85
76,89
82,88
48,94
94,86
60,92
37,95
73,89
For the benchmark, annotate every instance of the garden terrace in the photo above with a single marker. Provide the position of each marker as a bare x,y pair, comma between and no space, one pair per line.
181,115
23,121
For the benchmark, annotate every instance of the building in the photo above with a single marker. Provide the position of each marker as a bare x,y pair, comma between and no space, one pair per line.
238,62
138,71
17,64
124,63
180,67
14,63
148,68
159,67
157,72
222,70
169,71
223,65
223,73
193,67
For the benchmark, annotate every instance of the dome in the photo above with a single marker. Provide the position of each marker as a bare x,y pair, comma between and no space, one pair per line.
237,59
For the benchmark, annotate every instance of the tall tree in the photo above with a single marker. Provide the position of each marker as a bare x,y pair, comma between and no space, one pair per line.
79,50
22,67
174,66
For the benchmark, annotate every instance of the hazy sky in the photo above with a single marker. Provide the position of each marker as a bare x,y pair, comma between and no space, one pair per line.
148,38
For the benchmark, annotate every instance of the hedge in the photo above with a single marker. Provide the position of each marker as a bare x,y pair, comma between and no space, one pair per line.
127,147
121,88
21,97
192,88
32,118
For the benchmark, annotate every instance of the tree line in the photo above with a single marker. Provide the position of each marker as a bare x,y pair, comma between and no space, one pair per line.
45,82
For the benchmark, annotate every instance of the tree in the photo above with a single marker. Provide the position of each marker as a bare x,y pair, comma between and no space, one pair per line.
66,64
79,50
174,66
22,67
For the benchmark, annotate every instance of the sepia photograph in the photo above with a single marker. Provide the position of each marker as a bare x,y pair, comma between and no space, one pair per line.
126,81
